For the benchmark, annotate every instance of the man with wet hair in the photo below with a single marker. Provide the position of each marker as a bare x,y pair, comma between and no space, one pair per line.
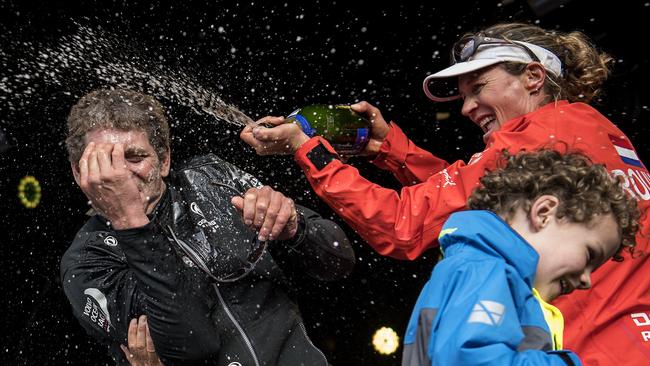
202,250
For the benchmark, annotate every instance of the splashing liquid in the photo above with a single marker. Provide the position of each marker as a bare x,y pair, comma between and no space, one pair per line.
95,53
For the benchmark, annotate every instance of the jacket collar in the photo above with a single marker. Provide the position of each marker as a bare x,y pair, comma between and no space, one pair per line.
513,124
487,232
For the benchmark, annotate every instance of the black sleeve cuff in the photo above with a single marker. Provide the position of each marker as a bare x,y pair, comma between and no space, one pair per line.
301,233
320,157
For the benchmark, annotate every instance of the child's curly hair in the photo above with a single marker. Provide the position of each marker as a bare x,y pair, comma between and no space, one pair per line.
585,190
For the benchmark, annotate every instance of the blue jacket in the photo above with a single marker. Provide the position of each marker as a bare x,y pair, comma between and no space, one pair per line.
478,307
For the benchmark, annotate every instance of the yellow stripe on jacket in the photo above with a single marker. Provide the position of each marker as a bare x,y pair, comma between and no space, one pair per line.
553,318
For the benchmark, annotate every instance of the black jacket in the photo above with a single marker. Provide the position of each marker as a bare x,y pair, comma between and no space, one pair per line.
212,292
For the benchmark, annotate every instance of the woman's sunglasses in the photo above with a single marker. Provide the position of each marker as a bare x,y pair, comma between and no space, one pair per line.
464,49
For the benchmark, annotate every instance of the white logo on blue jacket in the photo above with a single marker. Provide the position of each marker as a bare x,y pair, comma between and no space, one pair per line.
487,312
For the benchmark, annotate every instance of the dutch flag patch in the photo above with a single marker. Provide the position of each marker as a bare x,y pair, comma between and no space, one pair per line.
626,151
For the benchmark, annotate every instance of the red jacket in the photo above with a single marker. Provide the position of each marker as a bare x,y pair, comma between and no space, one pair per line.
613,325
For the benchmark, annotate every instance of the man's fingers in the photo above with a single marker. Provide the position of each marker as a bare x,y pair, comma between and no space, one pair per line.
238,202
127,353
141,341
271,216
104,158
261,206
117,157
93,169
132,333
286,213
150,346
89,148
250,198
266,210
248,128
246,135
141,350
83,165
83,173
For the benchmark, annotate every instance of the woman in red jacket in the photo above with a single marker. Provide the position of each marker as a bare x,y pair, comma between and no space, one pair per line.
526,88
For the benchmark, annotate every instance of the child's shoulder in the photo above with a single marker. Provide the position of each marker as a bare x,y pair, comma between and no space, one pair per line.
468,260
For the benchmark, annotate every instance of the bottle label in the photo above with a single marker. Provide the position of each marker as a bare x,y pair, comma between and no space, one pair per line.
362,138
304,125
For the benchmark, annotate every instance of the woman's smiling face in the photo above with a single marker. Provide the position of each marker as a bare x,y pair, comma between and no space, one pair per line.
492,96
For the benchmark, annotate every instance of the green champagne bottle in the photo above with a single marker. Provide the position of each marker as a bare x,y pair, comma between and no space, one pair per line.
345,130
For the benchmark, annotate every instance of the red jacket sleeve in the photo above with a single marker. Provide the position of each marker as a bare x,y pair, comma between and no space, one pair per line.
408,163
397,224
404,224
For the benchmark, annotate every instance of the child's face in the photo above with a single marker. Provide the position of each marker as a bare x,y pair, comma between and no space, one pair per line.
569,252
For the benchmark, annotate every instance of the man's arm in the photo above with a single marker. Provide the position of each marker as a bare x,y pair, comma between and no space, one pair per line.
316,246
320,247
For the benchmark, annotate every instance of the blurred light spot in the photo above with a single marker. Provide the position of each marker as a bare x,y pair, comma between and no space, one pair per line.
29,191
441,116
385,341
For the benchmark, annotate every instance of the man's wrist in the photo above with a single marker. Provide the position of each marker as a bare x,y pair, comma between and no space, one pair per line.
130,222
301,231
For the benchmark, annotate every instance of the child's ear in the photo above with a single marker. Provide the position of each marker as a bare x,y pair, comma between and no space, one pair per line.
543,210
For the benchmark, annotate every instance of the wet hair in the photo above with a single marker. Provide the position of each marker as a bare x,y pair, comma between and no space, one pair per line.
119,109
584,68
585,190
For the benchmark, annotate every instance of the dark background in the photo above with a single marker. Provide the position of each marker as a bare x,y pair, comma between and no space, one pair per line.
267,58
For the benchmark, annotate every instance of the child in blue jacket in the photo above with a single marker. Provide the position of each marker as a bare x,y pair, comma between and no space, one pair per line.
537,229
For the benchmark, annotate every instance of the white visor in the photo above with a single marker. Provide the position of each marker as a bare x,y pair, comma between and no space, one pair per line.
488,55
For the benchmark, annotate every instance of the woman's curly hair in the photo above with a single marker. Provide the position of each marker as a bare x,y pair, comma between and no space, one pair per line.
584,67
585,190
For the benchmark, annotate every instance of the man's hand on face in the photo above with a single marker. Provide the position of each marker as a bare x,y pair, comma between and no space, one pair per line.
110,186
269,212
